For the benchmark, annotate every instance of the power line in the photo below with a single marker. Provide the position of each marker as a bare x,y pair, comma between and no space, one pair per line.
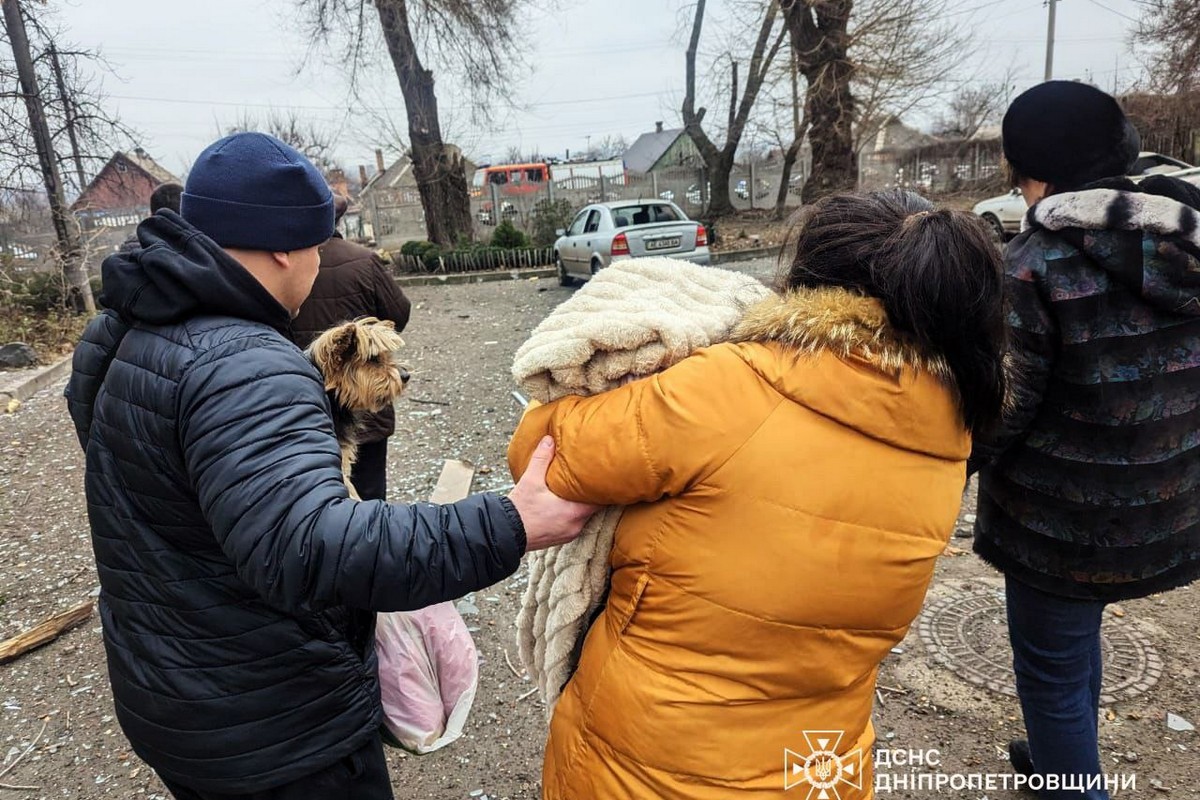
1114,11
339,109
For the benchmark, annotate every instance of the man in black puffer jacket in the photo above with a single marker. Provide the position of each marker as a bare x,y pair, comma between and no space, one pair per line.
237,578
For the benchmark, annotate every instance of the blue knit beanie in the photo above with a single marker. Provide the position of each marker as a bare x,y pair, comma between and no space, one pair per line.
253,192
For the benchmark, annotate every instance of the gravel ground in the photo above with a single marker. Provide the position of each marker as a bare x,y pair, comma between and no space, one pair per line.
460,345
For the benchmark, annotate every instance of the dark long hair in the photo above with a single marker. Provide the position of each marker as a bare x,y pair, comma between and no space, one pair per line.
937,272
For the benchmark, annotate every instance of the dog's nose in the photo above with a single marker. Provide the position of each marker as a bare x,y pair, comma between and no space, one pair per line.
404,376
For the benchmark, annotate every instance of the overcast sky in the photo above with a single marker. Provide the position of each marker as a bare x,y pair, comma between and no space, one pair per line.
186,69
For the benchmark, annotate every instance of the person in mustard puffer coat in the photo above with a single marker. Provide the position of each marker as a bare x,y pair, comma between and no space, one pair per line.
788,494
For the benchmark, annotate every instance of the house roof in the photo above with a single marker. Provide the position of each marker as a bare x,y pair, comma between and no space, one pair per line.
117,188
152,168
644,153
400,175
893,134
392,177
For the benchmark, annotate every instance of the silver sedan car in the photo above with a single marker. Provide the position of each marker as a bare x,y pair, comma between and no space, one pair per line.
605,232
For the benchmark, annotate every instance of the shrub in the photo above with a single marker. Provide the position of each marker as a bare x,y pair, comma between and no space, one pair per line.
429,255
548,217
35,309
509,238
413,247
41,292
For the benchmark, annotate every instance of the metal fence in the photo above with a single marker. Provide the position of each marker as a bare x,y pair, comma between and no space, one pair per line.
475,261
945,167
750,187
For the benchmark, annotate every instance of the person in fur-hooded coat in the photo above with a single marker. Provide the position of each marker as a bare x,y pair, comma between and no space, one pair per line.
1090,488
787,494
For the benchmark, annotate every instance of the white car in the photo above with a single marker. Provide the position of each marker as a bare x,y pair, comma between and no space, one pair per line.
1003,214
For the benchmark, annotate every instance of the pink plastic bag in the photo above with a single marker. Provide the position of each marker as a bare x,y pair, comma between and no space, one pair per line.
428,673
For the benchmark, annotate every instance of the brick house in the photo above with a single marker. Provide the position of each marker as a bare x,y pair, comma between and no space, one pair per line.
119,195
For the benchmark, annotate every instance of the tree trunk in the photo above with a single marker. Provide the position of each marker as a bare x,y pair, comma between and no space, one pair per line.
68,112
438,169
720,203
69,249
820,42
830,110
789,162
719,161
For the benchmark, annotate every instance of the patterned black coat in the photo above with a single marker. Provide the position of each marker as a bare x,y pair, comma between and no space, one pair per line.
1094,489
237,578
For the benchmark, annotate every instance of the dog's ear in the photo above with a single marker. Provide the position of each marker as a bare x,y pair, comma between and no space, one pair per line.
334,350
343,343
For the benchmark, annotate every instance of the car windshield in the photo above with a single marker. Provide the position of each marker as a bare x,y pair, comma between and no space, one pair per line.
643,214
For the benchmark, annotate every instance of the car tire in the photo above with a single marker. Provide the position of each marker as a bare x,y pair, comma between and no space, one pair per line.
563,278
993,222
596,265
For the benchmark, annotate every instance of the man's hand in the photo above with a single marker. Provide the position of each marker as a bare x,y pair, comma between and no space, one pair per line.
549,520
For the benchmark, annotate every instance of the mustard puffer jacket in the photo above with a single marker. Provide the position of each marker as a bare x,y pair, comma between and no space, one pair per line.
788,495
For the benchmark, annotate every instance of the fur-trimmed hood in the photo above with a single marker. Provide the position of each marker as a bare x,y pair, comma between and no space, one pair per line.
840,322
1146,236
842,358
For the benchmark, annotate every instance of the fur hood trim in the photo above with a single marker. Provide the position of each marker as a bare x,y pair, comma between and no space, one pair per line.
1114,209
841,322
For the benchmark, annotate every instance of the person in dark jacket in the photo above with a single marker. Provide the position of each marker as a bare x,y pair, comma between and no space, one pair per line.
165,195
237,577
353,282
1091,493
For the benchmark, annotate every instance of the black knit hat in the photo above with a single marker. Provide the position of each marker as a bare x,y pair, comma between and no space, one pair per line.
1068,134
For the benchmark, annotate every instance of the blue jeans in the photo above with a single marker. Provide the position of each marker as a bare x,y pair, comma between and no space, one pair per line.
1056,658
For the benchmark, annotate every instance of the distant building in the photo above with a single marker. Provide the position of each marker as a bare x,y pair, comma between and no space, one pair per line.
894,136
390,203
119,195
661,149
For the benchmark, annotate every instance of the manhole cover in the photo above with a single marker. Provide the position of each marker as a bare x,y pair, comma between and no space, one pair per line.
969,635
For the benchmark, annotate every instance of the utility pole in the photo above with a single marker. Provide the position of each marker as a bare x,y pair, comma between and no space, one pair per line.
1050,42
68,238
69,114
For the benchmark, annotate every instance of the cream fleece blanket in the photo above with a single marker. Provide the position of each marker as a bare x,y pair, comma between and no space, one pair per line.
631,320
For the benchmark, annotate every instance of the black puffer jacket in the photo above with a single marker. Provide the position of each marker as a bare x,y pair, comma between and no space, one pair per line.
237,578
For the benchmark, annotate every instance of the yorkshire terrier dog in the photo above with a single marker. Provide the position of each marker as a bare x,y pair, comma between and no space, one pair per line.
358,361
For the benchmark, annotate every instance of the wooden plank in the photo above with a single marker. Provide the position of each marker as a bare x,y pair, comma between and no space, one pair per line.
454,483
44,632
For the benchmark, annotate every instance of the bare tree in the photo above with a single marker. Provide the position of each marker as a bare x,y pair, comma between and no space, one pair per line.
312,139
1168,38
972,108
866,62
465,39
51,117
908,55
608,147
783,123
719,161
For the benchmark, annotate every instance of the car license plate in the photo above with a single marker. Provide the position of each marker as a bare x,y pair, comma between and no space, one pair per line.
662,244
